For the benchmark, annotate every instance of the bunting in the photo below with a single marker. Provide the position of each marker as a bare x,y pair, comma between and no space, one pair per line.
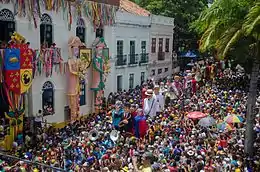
99,14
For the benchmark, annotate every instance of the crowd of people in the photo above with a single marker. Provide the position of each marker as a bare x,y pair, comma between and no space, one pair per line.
149,128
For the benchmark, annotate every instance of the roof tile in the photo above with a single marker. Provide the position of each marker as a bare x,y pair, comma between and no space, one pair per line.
133,8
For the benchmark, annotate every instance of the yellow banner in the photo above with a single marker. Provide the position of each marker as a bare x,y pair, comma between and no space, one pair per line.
26,76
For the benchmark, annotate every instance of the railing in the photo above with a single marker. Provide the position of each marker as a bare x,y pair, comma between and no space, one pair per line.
133,59
161,56
144,58
121,60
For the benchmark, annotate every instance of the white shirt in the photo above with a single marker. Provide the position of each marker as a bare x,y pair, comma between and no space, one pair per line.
150,106
160,102
38,118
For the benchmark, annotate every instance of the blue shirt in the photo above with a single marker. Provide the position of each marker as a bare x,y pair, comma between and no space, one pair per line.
117,117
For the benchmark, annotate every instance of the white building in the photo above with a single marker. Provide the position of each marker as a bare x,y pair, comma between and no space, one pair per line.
51,28
129,50
143,47
161,40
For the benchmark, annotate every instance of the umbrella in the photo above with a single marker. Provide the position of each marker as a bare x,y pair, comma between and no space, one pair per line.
207,121
233,119
224,125
196,115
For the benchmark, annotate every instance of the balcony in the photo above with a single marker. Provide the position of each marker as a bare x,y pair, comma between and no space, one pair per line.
121,60
144,58
161,56
133,59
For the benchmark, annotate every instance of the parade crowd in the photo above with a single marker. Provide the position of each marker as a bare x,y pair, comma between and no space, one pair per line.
193,121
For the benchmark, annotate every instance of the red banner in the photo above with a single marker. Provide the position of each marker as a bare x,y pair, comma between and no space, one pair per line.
12,79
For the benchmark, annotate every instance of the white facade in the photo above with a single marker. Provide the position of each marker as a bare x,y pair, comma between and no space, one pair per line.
60,37
129,29
161,40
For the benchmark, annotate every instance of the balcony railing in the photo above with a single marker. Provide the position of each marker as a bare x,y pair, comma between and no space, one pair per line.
133,59
161,56
144,58
121,60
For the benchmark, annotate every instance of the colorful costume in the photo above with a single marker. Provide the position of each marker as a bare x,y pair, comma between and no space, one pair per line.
117,117
100,69
141,126
73,76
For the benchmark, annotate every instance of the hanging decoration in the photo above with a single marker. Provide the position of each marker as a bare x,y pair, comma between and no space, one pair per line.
48,59
100,71
99,14
17,69
85,56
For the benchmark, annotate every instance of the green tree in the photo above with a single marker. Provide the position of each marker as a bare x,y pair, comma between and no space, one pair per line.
183,11
232,29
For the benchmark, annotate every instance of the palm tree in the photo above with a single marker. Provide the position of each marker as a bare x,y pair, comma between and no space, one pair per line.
228,27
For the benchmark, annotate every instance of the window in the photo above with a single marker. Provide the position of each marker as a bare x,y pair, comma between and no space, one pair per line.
46,30
131,81
119,82
165,69
80,30
120,60
132,52
142,77
7,25
82,97
132,47
99,32
48,98
120,47
160,45
159,71
167,45
153,72
143,47
153,45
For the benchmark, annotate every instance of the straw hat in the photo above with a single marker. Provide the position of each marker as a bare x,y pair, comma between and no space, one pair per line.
149,92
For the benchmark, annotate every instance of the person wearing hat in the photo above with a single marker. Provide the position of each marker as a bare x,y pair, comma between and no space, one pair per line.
150,104
159,98
117,115
146,163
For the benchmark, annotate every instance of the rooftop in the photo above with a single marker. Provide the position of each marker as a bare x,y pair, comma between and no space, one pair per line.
131,7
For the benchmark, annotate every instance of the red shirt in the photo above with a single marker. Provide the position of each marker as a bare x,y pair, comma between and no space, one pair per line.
194,85
143,93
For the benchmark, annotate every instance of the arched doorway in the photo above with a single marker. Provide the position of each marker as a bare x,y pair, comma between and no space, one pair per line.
46,30
48,98
81,30
7,25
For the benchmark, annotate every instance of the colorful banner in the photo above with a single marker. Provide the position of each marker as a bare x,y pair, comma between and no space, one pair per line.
18,69
12,69
26,72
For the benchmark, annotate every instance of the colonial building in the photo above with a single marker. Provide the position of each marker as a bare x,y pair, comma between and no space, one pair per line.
160,50
129,47
54,28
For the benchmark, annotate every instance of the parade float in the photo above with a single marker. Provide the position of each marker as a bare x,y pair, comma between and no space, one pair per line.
79,61
16,79
101,68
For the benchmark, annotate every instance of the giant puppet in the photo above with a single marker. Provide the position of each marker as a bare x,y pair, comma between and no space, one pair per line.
16,80
79,61
100,70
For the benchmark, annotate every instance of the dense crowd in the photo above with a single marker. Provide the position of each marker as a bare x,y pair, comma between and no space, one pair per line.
151,128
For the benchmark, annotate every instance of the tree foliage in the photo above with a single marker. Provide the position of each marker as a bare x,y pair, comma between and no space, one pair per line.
232,28
183,11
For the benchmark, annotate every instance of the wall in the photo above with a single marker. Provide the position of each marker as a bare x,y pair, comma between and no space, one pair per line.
161,27
60,37
128,27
